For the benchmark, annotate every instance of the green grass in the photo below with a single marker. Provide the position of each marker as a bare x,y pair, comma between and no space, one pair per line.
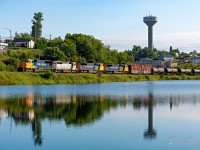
29,78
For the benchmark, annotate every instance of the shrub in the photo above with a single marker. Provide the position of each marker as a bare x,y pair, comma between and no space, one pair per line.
12,61
48,74
161,76
10,68
2,66
9,52
147,77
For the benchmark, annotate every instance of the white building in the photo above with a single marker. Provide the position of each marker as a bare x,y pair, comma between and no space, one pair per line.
22,43
3,46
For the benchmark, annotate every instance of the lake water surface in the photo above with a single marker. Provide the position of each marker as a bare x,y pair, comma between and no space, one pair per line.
111,116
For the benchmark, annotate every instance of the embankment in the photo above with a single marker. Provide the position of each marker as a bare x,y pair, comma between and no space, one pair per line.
29,78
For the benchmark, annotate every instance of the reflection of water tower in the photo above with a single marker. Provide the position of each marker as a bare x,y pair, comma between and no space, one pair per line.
150,133
150,21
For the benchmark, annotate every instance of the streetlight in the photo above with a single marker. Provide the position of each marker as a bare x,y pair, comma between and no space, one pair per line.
10,32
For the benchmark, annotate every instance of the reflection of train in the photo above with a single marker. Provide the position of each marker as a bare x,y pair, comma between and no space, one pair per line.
60,66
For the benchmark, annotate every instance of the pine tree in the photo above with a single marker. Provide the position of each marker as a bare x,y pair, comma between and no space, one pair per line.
37,26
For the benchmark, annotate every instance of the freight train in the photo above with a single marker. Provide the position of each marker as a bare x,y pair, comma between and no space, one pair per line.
62,67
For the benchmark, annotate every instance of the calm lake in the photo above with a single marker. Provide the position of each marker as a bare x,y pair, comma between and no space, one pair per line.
111,116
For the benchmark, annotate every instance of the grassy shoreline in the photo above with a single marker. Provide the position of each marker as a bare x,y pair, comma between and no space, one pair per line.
45,78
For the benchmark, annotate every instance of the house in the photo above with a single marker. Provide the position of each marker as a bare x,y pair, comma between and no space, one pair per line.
22,43
166,57
196,60
183,55
193,54
3,47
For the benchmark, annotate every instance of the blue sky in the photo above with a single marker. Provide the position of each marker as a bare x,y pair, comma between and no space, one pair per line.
118,23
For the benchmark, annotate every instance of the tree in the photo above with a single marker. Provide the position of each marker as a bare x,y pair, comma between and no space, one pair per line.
22,36
124,58
54,53
37,25
56,42
112,57
69,48
41,43
103,55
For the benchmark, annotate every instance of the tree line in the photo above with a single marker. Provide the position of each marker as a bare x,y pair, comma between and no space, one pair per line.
82,48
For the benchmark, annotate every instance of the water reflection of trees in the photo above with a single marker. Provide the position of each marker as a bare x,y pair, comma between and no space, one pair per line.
74,110
77,110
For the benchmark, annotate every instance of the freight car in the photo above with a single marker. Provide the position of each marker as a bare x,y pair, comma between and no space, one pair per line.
140,69
171,70
195,71
185,71
158,70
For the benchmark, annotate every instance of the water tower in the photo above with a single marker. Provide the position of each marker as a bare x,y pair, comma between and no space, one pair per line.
150,21
150,133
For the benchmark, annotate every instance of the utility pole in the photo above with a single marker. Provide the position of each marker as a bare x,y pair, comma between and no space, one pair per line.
10,33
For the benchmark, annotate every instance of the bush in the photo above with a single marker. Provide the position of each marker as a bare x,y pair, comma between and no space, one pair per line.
147,77
9,52
161,76
2,66
12,61
10,68
48,74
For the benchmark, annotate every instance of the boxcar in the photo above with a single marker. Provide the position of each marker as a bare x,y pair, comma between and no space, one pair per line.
140,69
